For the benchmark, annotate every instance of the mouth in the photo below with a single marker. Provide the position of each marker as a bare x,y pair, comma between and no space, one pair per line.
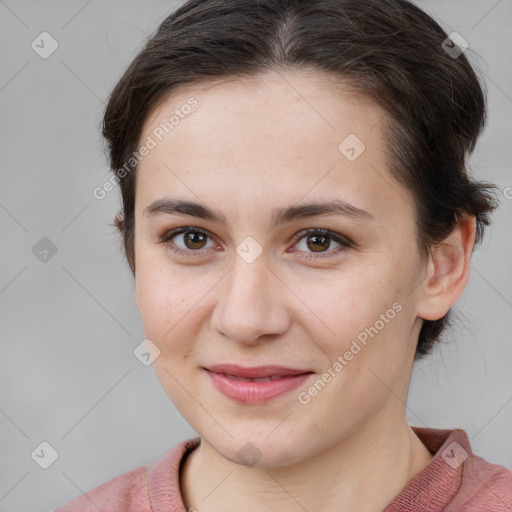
255,385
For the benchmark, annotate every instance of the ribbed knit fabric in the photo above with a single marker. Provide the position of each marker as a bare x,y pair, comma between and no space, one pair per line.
455,480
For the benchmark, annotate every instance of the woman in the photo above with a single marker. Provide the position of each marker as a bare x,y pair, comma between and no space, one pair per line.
299,221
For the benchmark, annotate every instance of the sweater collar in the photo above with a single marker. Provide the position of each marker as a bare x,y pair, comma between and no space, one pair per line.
434,487
431,489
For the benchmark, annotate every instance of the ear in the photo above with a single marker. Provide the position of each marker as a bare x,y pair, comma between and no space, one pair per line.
447,271
119,222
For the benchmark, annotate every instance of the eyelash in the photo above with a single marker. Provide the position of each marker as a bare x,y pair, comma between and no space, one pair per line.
344,243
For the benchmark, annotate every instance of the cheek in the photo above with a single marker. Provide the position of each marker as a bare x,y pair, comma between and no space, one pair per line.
161,305
349,301
172,307
364,319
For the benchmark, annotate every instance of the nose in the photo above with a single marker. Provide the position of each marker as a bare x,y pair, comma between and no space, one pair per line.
252,304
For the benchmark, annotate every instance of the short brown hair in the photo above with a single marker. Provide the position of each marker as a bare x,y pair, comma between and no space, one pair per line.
388,51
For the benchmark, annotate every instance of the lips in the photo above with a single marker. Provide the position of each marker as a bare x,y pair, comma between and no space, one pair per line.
257,384
271,372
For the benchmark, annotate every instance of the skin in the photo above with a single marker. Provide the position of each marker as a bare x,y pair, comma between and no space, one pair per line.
249,147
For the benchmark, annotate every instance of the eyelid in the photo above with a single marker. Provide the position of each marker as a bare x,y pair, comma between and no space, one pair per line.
178,231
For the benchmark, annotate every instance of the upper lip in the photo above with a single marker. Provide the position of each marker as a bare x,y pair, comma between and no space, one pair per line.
255,372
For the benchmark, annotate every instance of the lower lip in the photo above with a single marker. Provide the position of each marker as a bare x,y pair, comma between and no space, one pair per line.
250,392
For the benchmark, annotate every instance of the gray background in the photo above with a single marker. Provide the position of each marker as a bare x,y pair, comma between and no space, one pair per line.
69,325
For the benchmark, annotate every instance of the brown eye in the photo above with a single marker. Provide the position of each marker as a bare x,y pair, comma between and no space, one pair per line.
319,241
187,241
194,240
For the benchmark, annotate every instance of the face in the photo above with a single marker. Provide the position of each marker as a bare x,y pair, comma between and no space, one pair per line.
258,286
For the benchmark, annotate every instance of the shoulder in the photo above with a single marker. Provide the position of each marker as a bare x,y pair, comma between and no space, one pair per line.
133,491
456,479
485,486
127,490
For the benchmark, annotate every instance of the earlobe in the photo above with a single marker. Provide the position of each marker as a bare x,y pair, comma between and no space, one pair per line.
448,271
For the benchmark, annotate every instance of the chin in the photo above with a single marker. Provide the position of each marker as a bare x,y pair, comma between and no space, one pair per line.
259,449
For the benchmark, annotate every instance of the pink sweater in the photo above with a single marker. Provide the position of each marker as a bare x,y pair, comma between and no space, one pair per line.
454,480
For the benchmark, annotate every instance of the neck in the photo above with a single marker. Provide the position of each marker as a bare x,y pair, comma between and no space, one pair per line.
364,471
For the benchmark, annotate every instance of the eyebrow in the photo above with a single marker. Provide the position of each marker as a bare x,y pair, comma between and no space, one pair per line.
336,207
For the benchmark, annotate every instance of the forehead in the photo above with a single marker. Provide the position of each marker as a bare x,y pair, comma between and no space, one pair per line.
275,138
